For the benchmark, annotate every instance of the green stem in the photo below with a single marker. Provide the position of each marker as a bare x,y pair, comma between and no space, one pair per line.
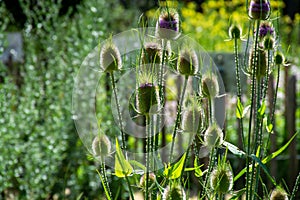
253,95
147,155
295,189
129,187
210,166
275,95
103,177
238,86
123,147
177,122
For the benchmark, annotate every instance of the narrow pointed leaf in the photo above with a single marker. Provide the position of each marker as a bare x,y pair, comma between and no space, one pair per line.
239,109
234,149
198,171
174,171
122,166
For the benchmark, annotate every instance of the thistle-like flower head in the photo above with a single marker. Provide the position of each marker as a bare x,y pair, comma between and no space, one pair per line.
213,136
101,146
167,26
110,58
266,28
176,192
210,86
221,179
259,9
278,194
187,62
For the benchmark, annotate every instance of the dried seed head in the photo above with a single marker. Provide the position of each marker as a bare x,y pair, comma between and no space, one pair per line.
187,62
210,86
174,193
167,25
279,58
191,120
101,146
148,99
151,53
152,178
261,62
259,9
235,32
221,179
110,58
278,194
213,136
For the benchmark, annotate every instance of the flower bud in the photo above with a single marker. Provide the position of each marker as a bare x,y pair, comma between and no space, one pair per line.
278,194
174,193
210,86
167,26
151,53
191,120
268,43
148,99
213,136
110,58
187,62
235,32
259,9
221,179
101,146
279,58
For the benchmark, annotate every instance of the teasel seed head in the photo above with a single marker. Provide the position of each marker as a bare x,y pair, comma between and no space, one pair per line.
279,58
148,100
191,120
221,179
187,62
210,86
101,146
167,26
152,178
279,194
235,32
259,9
213,136
176,192
151,53
268,43
110,58
261,62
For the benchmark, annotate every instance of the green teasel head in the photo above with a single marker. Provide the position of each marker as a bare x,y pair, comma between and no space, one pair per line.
192,118
147,99
175,192
101,146
188,63
268,43
279,58
260,62
221,178
235,32
152,179
151,53
110,58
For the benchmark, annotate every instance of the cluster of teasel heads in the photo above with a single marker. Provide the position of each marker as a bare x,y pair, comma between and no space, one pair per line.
147,96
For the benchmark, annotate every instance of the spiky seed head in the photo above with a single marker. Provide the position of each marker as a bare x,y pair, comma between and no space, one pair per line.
187,62
176,192
110,58
235,32
143,178
213,136
268,43
259,9
148,100
278,194
151,53
210,86
221,179
261,62
101,146
191,120
167,26
279,58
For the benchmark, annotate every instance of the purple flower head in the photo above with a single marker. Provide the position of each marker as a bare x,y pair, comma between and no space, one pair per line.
168,24
259,9
266,29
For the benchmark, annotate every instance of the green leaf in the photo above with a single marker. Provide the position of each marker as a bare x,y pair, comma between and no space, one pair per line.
261,111
239,109
268,124
256,159
137,164
198,171
279,151
238,194
122,166
174,171
267,159
234,149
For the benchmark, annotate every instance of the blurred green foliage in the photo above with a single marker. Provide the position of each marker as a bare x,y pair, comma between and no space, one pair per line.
41,154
